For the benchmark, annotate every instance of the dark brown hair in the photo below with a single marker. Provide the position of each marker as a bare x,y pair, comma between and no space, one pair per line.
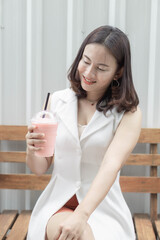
123,96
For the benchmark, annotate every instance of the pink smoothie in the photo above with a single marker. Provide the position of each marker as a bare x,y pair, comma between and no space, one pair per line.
49,128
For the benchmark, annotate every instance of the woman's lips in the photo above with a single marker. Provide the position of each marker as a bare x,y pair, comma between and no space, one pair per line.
87,81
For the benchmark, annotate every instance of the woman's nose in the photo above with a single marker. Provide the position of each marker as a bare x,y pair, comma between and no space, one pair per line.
90,72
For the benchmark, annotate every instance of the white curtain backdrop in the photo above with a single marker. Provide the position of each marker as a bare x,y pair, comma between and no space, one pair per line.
39,40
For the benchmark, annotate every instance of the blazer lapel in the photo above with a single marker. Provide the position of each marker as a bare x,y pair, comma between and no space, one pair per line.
68,113
99,120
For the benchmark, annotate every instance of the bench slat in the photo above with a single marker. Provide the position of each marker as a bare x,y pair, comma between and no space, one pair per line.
149,135
16,133
31,181
143,159
140,184
157,226
24,181
20,228
19,157
143,226
7,218
134,159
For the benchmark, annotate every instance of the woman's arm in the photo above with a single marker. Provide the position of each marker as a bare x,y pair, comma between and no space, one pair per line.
124,141
38,165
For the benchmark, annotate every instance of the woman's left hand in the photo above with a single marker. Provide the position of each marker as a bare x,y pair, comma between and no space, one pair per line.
73,226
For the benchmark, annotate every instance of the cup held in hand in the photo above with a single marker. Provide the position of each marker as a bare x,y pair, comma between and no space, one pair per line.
45,123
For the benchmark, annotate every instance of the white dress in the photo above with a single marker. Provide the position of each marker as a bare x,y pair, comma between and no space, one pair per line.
76,163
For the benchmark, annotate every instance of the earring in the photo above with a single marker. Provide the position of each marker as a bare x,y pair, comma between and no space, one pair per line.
115,83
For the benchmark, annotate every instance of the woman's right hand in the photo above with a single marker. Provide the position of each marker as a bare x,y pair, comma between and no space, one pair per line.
33,138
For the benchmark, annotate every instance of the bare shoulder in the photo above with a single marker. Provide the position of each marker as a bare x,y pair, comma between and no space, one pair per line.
130,127
137,112
131,123
133,117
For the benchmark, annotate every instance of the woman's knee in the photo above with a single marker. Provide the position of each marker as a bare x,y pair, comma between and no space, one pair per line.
87,234
52,228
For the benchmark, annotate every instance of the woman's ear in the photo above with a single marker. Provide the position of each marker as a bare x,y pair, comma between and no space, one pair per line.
119,73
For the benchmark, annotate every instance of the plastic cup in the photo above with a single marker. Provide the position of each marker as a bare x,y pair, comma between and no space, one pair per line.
45,123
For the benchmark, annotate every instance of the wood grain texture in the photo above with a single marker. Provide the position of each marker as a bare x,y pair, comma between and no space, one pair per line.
140,184
153,173
20,228
24,181
144,228
157,226
143,159
16,133
19,157
134,159
7,218
34,182
10,132
149,135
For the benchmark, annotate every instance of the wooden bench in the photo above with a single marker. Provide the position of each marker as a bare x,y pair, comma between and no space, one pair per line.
147,227
14,224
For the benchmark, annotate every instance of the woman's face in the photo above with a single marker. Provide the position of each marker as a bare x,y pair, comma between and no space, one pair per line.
97,68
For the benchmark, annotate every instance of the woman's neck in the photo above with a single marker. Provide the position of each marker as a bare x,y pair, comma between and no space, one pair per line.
93,97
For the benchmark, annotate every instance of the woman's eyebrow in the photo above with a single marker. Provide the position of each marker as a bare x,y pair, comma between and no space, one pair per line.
87,57
102,64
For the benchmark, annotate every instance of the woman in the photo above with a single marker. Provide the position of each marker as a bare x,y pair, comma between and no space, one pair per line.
98,126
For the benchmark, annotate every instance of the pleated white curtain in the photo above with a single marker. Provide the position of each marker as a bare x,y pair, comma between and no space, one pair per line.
38,42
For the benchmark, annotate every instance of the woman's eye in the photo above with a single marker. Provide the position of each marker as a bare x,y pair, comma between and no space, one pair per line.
100,69
86,62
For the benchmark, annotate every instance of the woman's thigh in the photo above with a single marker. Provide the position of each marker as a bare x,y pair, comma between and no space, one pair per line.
55,220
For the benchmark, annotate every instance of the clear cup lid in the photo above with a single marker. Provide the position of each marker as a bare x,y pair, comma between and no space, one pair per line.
44,116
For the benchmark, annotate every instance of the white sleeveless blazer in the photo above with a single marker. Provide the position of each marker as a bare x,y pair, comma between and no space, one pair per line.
76,164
